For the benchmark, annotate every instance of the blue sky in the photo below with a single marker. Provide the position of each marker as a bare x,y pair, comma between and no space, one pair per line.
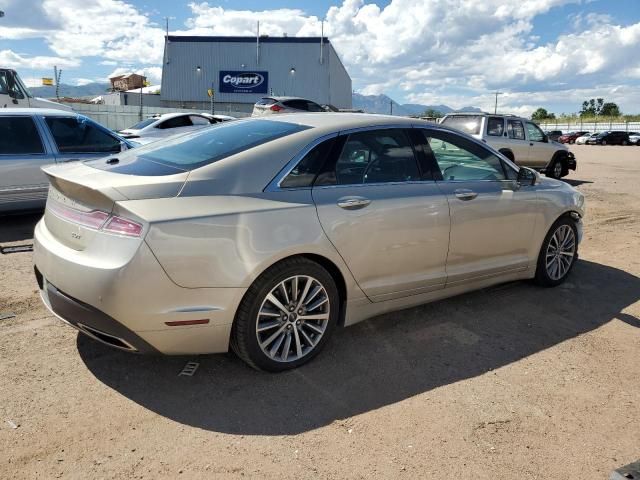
551,53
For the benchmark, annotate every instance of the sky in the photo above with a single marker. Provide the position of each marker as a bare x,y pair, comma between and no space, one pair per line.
538,53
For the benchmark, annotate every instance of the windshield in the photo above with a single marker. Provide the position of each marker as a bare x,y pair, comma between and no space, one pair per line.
466,123
143,123
193,150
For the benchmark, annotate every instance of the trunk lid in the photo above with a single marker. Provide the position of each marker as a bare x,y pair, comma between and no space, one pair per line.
82,200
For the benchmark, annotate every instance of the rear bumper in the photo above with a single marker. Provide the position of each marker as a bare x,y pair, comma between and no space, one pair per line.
132,304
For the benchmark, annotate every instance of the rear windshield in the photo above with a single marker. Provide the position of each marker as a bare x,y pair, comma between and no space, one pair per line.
203,147
143,123
465,123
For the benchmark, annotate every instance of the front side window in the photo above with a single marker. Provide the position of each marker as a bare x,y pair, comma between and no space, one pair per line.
304,173
19,136
515,129
314,107
376,156
462,160
297,104
535,134
495,126
80,135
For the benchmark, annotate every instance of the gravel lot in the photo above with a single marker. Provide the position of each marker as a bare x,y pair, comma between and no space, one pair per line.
511,382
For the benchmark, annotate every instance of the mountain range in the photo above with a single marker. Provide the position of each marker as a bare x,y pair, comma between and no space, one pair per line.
368,103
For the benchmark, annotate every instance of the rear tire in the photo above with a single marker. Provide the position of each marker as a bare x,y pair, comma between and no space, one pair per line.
604,142
558,253
283,321
624,143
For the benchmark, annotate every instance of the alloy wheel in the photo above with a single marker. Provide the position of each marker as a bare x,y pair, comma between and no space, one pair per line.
560,252
293,318
557,169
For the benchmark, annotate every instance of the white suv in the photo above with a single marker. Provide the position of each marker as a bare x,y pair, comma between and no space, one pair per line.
518,139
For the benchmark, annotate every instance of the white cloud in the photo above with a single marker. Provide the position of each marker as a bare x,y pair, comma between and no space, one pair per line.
15,60
454,50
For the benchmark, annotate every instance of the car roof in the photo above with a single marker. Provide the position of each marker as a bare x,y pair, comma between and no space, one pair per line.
38,111
284,99
165,116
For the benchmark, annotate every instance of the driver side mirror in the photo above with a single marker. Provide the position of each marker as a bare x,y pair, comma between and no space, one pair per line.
527,176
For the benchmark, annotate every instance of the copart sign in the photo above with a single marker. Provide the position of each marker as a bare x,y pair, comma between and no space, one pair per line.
243,82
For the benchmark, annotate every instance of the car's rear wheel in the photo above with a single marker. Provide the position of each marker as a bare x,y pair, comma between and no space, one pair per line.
625,143
557,168
558,254
286,316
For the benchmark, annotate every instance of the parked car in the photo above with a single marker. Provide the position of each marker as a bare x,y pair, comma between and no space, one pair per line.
571,137
518,139
33,137
168,124
583,139
634,138
343,217
612,137
554,134
271,105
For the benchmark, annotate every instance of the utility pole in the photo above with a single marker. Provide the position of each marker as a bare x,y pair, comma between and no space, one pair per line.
57,74
166,19
495,110
390,107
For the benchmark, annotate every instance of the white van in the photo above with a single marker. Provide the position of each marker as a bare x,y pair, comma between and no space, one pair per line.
14,94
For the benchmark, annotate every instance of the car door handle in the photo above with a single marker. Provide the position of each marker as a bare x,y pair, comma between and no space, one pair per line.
353,203
464,194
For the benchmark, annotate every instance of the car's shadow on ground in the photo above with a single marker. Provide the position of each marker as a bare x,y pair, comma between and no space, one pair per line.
575,183
15,228
375,363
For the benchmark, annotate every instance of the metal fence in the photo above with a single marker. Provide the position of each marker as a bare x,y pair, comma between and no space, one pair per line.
591,126
119,117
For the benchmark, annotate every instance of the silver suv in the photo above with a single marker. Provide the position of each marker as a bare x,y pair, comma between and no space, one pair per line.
518,139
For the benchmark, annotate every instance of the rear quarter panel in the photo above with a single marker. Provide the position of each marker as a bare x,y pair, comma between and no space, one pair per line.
228,241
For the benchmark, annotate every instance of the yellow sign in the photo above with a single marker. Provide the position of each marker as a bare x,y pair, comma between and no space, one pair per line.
146,83
210,92
47,81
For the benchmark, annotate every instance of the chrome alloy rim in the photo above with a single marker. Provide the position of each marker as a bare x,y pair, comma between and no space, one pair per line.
557,169
293,318
560,252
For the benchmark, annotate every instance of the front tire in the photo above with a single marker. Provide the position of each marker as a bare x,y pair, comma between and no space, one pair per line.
558,253
287,316
557,169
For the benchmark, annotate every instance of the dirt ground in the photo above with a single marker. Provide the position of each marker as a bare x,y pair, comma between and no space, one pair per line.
512,382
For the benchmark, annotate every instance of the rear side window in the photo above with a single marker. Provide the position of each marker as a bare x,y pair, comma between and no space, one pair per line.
19,136
80,135
297,104
515,129
376,156
202,147
198,120
304,173
314,107
495,126
181,121
465,123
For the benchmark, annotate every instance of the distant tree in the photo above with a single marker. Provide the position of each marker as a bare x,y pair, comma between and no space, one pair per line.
592,107
610,109
431,112
542,114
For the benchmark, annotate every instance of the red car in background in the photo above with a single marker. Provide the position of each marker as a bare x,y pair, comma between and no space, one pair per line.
570,137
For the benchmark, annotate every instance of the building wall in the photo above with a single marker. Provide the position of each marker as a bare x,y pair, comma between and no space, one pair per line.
326,82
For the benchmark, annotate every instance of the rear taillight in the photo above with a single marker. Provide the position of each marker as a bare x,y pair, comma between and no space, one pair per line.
96,220
123,226
276,108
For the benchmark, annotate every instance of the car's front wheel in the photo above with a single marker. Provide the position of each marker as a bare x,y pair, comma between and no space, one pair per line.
286,316
558,254
556,169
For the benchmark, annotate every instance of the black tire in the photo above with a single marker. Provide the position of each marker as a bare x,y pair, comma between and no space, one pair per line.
543,277
557,169
604,142
244,337
624,143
